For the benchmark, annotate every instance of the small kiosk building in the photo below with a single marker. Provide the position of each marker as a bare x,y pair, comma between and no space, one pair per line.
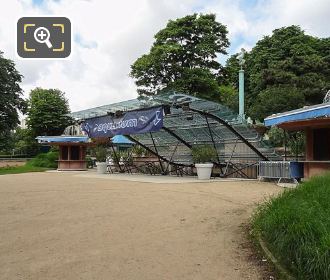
72,148
315,121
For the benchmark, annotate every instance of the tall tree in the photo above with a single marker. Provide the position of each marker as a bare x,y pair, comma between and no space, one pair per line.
11,100
48,112
284,71
24,142
183,57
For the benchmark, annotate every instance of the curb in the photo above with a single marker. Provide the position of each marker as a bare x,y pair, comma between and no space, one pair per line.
276,263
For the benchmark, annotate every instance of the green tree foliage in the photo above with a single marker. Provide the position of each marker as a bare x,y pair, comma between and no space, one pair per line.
276,136
295,141
46,160
284,71
228,81
276,99
48,111
11,100
24,142
204,153
230,71
229,96
183,58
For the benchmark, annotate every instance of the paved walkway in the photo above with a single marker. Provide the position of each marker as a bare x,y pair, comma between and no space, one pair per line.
74,226
159,179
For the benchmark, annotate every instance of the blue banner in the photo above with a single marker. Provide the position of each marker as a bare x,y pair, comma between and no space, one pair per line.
133,122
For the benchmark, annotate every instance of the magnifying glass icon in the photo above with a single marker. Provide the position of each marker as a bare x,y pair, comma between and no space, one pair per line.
41,35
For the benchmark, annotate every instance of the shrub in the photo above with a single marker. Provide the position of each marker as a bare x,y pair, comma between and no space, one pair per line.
47,160
296,227
138,151
203,153
90,163
101,153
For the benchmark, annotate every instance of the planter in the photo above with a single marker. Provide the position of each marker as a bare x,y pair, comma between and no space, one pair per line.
101,167
204,170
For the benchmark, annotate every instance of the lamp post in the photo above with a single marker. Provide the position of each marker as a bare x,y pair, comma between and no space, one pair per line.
241,62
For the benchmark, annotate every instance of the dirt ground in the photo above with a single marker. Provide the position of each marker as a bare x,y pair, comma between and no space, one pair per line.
65,226
8,163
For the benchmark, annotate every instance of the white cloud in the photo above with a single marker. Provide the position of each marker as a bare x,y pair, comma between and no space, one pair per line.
111,34
312,15
247,23
230,14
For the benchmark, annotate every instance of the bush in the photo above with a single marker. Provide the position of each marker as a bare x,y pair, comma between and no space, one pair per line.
203,153
47,160
101,153
125,156
138,151
90,162
296,227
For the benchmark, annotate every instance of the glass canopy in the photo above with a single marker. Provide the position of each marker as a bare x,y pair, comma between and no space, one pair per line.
192,121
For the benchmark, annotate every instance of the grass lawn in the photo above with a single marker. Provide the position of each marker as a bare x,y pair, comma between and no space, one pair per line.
296,228
21,169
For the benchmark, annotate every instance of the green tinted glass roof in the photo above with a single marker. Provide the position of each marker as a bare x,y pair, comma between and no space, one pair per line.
193,128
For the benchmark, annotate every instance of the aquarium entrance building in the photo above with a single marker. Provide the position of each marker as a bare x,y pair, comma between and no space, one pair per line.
169,125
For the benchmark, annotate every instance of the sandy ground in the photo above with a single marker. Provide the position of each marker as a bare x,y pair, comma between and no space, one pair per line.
64,226
4,163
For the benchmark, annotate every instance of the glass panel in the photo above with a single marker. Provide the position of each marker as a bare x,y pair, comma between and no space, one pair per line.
192,127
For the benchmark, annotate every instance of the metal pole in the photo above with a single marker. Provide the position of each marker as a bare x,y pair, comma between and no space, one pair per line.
232,129
156,154
171,158
160,162
241,94
171,132
284,145
116,158
231,156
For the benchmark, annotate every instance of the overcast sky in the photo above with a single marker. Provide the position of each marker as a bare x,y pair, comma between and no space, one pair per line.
109,35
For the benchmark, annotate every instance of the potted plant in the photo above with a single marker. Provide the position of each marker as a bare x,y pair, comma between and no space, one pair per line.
203,155
101,157
89,162
138,151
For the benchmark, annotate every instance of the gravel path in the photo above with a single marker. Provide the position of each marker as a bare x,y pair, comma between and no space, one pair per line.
66,226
